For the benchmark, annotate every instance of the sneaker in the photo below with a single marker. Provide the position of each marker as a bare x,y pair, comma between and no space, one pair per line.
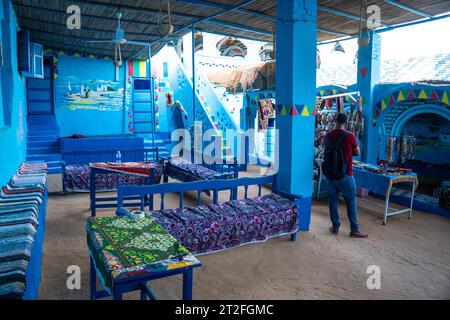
358,234
334,230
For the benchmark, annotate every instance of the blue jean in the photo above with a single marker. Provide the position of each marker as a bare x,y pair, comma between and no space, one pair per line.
348,188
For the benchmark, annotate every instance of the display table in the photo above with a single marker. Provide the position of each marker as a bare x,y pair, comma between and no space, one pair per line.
150,171
379,180
126,254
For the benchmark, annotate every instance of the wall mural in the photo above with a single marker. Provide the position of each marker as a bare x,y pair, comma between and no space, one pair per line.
92,94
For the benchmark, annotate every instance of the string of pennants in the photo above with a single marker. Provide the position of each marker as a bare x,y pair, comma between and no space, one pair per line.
295,110
329,92
435,95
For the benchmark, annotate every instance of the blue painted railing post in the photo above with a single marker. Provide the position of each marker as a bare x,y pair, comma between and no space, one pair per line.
296,39
193,72
368,76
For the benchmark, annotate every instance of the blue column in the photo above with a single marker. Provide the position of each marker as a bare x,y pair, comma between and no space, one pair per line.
368,77
296,37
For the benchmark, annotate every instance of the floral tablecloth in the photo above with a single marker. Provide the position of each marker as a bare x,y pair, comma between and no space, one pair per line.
123,248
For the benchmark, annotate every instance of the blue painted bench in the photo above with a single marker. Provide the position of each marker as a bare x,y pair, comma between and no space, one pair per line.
257,219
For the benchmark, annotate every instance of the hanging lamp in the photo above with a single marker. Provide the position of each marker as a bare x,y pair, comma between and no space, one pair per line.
165,28
117,56
363,35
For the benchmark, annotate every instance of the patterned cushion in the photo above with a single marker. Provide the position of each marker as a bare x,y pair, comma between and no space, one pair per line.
76,178
183,170
212,227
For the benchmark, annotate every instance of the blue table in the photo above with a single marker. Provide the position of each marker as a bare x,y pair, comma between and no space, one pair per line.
381,184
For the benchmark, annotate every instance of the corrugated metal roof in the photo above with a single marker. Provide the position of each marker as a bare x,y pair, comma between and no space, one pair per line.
47,20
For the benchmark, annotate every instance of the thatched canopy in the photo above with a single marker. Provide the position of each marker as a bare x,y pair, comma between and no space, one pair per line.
260,76
237,18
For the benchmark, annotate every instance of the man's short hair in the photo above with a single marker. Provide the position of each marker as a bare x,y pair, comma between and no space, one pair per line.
341,118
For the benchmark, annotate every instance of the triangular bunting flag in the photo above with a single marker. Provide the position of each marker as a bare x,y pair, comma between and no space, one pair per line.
400,96
411,95
279,106
334,91
416,92
391,100
328,91
445,98
283,111
363,72
293,111
434,96
305,112
383,105
395,95
423,95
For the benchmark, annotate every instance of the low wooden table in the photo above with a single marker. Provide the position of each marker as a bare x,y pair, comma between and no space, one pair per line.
127,254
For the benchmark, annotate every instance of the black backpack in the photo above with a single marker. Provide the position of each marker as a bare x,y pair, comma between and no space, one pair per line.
333,160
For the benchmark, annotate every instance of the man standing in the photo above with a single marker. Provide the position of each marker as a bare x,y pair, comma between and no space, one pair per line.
340,147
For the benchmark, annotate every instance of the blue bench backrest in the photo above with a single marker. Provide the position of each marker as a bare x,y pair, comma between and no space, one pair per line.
215,186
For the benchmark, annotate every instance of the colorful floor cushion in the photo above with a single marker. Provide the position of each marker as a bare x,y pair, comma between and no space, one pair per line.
212,227
123,248
184,170
76,178
20,205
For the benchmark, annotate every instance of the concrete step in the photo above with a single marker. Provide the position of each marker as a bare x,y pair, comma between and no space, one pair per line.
41,119
44,143
43,132
54,170
44,157
32,138
43,150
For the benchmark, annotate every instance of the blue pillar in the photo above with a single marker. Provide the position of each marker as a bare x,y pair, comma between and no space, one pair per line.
296,37
368,77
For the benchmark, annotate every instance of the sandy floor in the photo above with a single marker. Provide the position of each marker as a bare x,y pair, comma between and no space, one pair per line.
414,258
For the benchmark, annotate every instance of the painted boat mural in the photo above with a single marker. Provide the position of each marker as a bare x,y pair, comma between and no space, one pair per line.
94,94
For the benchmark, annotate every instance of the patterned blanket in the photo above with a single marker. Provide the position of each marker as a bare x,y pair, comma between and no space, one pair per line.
76,177
123,248
183,170
20,202
212,227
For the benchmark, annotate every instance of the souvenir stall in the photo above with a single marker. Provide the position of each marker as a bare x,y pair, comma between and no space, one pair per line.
413,122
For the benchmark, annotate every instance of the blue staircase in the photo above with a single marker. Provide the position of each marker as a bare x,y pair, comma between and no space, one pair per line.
43,141
162,142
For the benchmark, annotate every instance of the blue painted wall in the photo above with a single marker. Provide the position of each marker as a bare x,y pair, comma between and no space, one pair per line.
106,115
12,135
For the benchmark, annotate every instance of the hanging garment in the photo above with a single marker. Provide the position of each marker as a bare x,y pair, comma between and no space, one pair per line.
266,110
